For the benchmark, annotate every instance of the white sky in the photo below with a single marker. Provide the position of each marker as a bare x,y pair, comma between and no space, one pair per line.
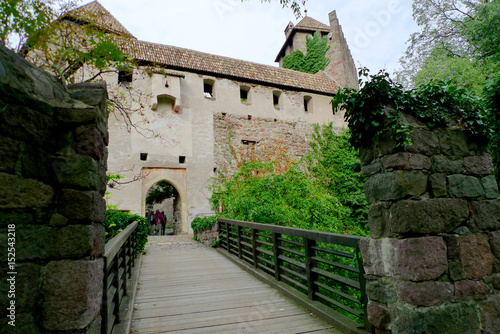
376,30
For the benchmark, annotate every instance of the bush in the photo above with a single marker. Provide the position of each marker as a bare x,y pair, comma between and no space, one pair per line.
116,221
200,224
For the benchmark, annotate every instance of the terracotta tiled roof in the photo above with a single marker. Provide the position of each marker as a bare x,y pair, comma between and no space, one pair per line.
308,23
194,61
95,12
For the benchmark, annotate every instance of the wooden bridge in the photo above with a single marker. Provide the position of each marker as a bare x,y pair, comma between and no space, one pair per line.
184,287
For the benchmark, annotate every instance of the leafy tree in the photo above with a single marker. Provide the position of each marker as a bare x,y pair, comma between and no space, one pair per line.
161,191
492,97
315,59
458,42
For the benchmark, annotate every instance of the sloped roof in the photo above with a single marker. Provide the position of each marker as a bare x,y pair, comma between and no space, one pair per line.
100,16
308,23
194,61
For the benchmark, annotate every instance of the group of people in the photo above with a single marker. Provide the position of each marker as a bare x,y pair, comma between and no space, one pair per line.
157,221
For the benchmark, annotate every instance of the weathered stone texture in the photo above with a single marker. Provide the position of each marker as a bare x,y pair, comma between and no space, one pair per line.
476,256
378,315
438,215
80,282
486,214
395,185
479,165
82,206
379,292
453,142
447,164
438,185
470,290
490,186
16,192
490,314
426,293
463,186
495,243
443,319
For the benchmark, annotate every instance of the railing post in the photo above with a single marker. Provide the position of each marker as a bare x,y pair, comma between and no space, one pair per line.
238,237
105,301
310,264
254,247
227,238
362,284
276,253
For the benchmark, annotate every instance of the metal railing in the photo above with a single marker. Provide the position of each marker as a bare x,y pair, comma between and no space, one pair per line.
119,258
325,267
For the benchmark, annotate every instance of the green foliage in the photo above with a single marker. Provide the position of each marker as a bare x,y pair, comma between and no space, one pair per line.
201,224
161,191
303,196
335,164
116,221
492,98
315,59
436,103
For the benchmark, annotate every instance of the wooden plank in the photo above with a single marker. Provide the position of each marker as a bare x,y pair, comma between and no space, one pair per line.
203,292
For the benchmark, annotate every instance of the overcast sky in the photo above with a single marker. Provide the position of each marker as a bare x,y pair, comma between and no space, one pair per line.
376,30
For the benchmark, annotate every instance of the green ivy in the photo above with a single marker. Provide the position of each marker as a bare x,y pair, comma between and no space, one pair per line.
116,221
315,59
379,104
492,99
201,224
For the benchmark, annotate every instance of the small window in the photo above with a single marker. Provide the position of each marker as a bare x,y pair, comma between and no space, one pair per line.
245,94
208,88
277,100
144,156
182,160
307,103
215,169
249,117
125,76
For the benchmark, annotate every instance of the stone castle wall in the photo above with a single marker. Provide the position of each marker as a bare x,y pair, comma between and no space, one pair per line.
234,130
433,260
52,181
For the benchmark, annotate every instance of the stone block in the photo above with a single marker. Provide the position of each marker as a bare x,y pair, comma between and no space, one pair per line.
366,155
490,187
490,314
395,185
74,170
378,315
471,290
479,164
18,218
371,169
99,241
82,206
9,152
426,293
35,164
476,256
420,259
447,164
26,286
438,215
375,252
378,217
406,161
495,243
456,270
379,292
486,214
89,141
16,193
72,294
453,246
424,141
461,318
495,281
25,323
453,142
58,220
438,185
463,186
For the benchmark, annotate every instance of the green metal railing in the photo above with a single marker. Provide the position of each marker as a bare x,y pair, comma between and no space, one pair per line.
325,267
119,258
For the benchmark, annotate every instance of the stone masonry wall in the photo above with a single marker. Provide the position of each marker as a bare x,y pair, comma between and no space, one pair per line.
52,181
433,260
264,131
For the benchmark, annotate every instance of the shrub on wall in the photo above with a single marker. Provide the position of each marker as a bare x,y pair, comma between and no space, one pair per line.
116,221
201,224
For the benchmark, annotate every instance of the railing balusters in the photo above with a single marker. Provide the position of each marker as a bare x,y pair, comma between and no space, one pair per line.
238,236
254,248
310,264
276,254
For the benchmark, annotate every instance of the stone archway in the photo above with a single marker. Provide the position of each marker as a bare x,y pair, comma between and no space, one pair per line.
175,177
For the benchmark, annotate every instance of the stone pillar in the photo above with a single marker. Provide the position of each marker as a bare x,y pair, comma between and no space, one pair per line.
433,259
52,181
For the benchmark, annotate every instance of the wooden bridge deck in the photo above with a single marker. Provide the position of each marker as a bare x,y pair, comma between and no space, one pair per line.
185,287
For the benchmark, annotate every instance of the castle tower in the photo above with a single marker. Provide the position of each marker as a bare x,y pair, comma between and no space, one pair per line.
341,67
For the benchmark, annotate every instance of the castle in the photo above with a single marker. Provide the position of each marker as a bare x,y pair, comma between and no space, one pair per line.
200,103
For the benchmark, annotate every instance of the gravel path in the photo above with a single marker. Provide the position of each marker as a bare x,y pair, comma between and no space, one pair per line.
173,244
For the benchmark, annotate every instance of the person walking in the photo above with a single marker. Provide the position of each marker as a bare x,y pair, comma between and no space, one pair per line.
149,222
163,221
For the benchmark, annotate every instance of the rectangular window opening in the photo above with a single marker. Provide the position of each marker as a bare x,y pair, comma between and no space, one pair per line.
307,103
249,117
208,88
245,94
125,76
144,156
276,100
182,160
